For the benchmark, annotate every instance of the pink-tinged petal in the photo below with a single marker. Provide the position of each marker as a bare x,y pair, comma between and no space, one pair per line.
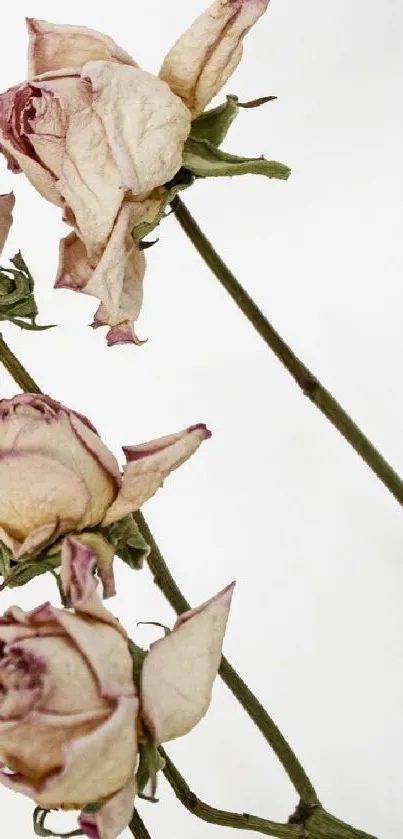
37,490
90,181
146,125
205,56
6,217
105,553
110,821
111,748
53,46
179,670
149,464
15,144
102,640
116,278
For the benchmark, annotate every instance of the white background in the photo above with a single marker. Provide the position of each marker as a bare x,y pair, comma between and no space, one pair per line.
276,499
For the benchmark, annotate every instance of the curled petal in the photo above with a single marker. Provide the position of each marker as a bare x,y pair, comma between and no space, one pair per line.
146,125
110,821
16,147
104,560
6,218
206,55
179,671
53,46
116,278
149,464
79,584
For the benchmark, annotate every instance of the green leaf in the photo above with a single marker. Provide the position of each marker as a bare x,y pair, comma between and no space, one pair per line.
17,302
206,161
128,542
214,125
182,180
39,818
138,655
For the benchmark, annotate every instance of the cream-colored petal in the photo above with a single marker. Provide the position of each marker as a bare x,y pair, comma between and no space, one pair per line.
35,746
53,46
69,684
148,466
110,821
146,125
42,179
36,490
6,216
206,55
59,100
80,587
98,764
90,181
179,671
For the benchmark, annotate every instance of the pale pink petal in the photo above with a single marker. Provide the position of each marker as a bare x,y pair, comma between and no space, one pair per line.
90,181
146,125
38,537
105,553
37,490
206,55
80,586
16,146
116,279
148,466
6,217
110,821
179,671
53,46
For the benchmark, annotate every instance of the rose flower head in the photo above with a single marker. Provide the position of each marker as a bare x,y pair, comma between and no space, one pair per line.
69,707
58,477
99,137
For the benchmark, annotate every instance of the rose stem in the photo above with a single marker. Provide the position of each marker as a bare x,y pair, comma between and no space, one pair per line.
164,580
167,584
309,805
308,383
138,827
242,821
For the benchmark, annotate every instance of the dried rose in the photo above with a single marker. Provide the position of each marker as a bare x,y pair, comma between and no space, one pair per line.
100,137
57,476
6,218
69,710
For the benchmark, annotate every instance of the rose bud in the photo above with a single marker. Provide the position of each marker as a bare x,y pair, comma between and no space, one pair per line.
69,709
100,137
58,477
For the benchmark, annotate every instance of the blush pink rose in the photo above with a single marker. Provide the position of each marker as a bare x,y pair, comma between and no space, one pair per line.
98,136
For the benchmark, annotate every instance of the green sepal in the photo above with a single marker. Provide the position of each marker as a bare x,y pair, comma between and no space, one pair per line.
206,161
182,180
17,302
138,655
150,763
23,571
128,542
39,817
213,125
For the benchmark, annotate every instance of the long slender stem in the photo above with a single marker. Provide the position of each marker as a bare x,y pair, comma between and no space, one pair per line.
272,734
308,383
138,827
16,370
240,821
